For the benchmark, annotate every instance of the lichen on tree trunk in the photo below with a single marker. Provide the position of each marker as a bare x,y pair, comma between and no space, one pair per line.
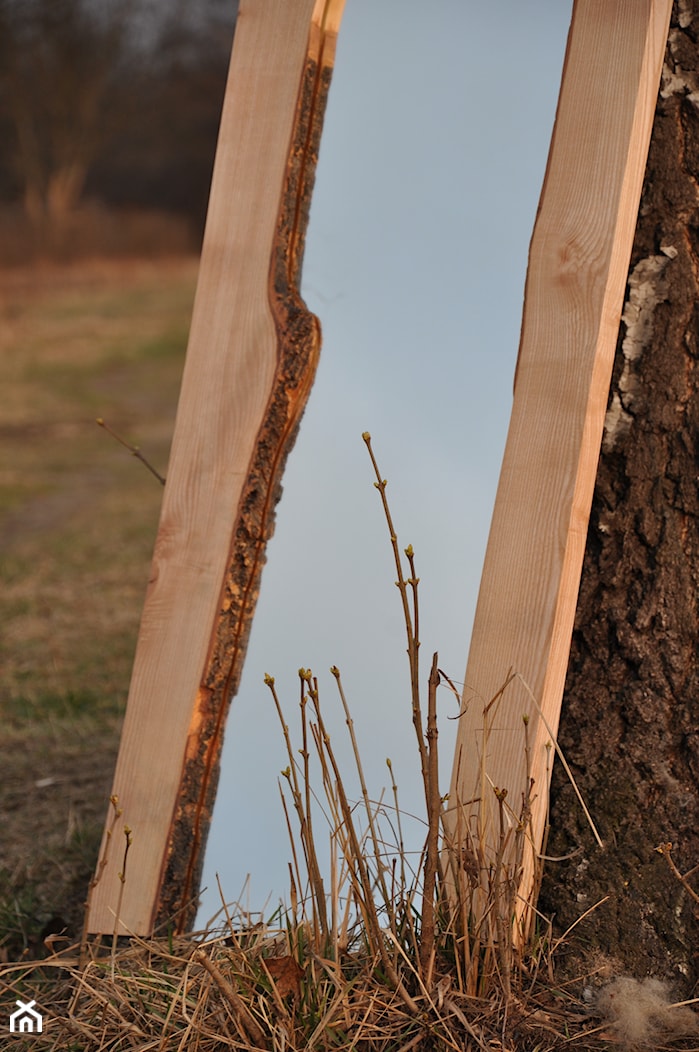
630,718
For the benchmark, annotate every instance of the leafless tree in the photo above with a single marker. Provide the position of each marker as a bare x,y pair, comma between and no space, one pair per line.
119,99
56,61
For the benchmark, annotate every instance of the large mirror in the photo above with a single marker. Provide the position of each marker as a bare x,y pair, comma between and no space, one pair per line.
432,160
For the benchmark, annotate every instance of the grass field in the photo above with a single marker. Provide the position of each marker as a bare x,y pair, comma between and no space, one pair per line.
78,516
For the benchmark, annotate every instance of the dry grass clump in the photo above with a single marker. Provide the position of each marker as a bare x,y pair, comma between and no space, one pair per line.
260,986
266,988
217,993
379,955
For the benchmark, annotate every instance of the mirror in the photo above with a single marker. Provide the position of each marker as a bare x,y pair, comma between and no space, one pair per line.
432,160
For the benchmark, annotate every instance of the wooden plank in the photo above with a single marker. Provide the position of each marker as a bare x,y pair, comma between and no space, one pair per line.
250,362
578,262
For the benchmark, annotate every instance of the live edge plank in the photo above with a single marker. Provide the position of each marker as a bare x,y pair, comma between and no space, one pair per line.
250,363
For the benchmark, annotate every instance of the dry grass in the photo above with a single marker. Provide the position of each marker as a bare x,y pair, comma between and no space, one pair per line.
77,521
263,986
77,526
268,988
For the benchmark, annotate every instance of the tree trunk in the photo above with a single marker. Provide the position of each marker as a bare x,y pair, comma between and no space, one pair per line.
630,718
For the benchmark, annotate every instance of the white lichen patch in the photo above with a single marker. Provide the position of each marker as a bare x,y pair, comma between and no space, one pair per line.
684,13
671,82
617,424
674,79
647,288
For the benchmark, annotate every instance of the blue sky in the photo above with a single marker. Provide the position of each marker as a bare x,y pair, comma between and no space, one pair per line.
432,159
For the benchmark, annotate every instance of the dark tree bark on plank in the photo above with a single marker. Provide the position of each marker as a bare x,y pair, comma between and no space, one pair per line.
630,719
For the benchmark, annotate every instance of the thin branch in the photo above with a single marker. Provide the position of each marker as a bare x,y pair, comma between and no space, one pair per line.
664,850
427,932
411,624
133,450
563,760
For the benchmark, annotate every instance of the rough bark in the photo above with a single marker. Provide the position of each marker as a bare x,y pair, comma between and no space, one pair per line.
630,718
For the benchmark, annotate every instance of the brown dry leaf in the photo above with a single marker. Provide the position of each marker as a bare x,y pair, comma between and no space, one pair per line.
286,974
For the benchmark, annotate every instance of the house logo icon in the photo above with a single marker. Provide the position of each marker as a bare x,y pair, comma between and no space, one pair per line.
26,1020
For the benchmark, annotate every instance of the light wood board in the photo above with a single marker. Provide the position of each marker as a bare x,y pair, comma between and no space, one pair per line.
250,362
578,262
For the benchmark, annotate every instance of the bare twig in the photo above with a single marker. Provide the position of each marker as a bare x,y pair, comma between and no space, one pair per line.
563,760
365,793
664,850
128,840
248,1025
411,621
101,865
427,931
291,775
375,932
133,450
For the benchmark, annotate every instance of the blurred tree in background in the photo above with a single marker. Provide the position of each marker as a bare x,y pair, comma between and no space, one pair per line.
115,102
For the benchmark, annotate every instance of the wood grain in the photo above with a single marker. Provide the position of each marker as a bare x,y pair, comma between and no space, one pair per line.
578,263
251,359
